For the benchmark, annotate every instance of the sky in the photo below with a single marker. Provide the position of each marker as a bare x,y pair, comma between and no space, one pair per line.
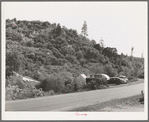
122,25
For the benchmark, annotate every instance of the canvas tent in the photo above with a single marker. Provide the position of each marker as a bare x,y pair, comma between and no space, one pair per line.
107,77
26,78
81,80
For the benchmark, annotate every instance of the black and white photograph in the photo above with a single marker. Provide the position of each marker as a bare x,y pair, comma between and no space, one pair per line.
78,60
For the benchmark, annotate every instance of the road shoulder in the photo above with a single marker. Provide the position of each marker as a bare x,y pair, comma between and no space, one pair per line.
129,104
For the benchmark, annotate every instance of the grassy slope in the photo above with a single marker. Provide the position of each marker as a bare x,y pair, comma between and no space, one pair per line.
130,104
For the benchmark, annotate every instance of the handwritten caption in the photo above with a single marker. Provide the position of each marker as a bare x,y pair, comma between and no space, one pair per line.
80,114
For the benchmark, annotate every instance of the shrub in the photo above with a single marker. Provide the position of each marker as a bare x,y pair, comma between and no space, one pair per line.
79,55
141,75
46,83
97,69
82,61
125,71
92,84
68,88
93,60
108,51
57,54
101,81
66,77
56,81
49,93
102,87
75,86
51,60
79,90
13,61
15,80
71,58
67,82
30,43
61,61
67,49
124,62
91,53
13,35
109,70
14,93
98,83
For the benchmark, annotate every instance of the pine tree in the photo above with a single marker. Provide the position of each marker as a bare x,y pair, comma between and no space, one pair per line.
84,29
132,51
58,29
102,43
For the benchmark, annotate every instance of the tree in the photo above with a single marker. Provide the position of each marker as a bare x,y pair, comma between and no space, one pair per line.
132,51
110,52
15,20
84,29
79,55
82,61
93,42
98,47
58,29
102,43
13,62
108,69
56,81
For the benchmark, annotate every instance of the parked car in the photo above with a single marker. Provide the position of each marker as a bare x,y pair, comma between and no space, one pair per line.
118,80
124,78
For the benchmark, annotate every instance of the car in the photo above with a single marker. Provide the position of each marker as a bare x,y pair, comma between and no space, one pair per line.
124,78
118,80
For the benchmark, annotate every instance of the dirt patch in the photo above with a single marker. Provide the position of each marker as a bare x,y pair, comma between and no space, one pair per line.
130,104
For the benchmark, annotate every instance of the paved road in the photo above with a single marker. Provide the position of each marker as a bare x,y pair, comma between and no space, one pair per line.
69,101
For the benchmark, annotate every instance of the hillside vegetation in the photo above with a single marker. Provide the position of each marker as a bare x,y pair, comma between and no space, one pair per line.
55,56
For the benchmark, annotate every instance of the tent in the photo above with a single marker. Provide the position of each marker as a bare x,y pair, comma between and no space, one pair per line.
108,78
81,80
26,78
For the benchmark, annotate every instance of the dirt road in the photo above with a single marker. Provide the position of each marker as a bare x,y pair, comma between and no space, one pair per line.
68,101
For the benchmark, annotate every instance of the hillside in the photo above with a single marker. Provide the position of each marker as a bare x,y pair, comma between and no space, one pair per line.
49,52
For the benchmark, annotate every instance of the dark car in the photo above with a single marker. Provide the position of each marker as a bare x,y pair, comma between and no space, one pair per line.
118,80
